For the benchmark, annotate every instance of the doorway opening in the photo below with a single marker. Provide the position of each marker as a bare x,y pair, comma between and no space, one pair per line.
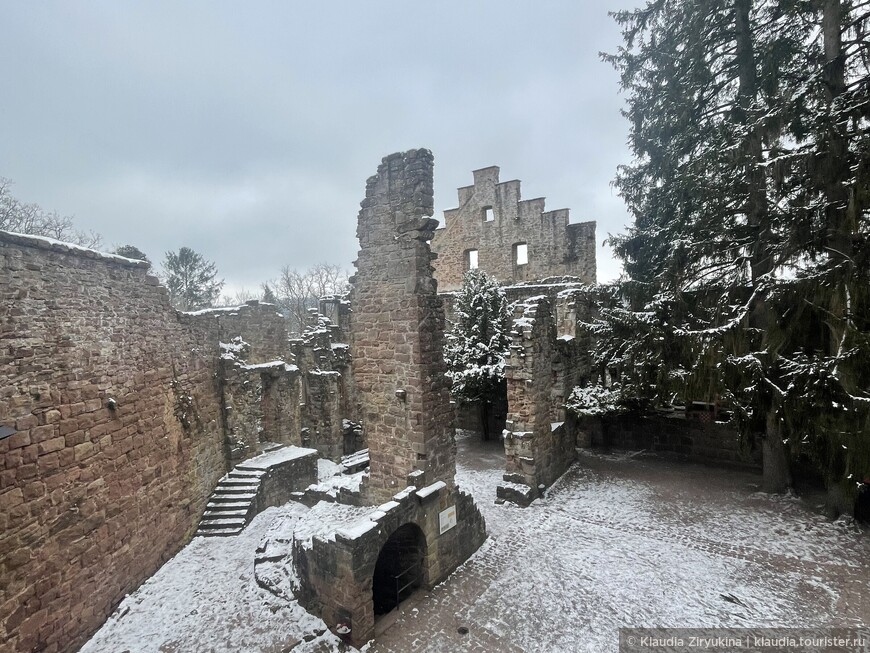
399,569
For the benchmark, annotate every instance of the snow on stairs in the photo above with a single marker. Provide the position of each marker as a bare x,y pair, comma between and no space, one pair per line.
232,504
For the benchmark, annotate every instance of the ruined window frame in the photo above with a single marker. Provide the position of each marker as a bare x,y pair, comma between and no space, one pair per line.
525,252
469,255
488,214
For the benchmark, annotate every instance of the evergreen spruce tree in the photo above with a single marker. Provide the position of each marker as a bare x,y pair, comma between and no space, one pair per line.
477,343
747,272
191,280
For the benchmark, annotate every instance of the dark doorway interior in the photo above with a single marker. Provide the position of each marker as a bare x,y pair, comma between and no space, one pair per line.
399,569
486,417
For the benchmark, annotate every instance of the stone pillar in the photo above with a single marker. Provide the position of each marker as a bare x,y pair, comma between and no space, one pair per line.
398,331
539,445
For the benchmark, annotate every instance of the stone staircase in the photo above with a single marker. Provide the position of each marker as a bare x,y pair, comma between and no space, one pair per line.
269,479
232,504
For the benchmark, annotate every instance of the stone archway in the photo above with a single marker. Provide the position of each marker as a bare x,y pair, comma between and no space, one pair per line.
399,569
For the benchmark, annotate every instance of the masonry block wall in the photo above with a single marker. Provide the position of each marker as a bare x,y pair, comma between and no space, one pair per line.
338,312
493,220
259,325
398,330
574,365
260,391
260,405
539,437
117,438
327,395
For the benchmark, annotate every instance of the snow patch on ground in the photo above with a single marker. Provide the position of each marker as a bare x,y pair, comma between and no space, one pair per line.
327,468
332,485
206,599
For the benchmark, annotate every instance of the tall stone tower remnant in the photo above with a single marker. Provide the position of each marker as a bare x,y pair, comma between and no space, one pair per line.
398,330
410,526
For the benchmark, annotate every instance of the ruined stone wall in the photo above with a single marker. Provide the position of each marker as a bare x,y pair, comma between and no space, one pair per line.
282,415
397,333
574,365
337,309
555,247
540,436
259,325
327,397
260,391
261,405
398,330
117,442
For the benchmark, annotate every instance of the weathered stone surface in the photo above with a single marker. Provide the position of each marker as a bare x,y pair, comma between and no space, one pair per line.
549,356
402,392
328,387
119,411
555,247
398,331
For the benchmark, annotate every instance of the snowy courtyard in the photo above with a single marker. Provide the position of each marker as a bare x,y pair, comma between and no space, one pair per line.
621,540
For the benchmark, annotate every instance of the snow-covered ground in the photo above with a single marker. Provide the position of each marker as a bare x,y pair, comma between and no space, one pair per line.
619,541
205,600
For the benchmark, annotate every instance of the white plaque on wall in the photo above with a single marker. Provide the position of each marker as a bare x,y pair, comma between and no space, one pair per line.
447,519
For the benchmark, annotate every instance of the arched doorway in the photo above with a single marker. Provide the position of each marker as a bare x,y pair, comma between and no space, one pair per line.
399,569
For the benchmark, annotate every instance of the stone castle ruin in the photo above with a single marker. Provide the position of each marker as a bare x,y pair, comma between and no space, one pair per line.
514,240
127,427
118,418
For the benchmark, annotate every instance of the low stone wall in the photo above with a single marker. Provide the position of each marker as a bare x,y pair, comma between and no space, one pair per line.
691,438
287,471
336,548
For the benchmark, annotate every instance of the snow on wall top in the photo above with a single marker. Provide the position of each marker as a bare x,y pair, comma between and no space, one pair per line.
43,242
283,455
324,519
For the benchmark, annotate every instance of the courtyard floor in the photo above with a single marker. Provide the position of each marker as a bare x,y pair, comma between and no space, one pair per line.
621,540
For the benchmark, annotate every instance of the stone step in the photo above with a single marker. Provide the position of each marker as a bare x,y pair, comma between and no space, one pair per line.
227,510
355,462
212,515
233,496
236,488
228,505
212,523
244,472
222,532
270,446
236,480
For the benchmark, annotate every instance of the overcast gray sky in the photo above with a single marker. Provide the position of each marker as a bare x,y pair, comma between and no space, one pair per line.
246,130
